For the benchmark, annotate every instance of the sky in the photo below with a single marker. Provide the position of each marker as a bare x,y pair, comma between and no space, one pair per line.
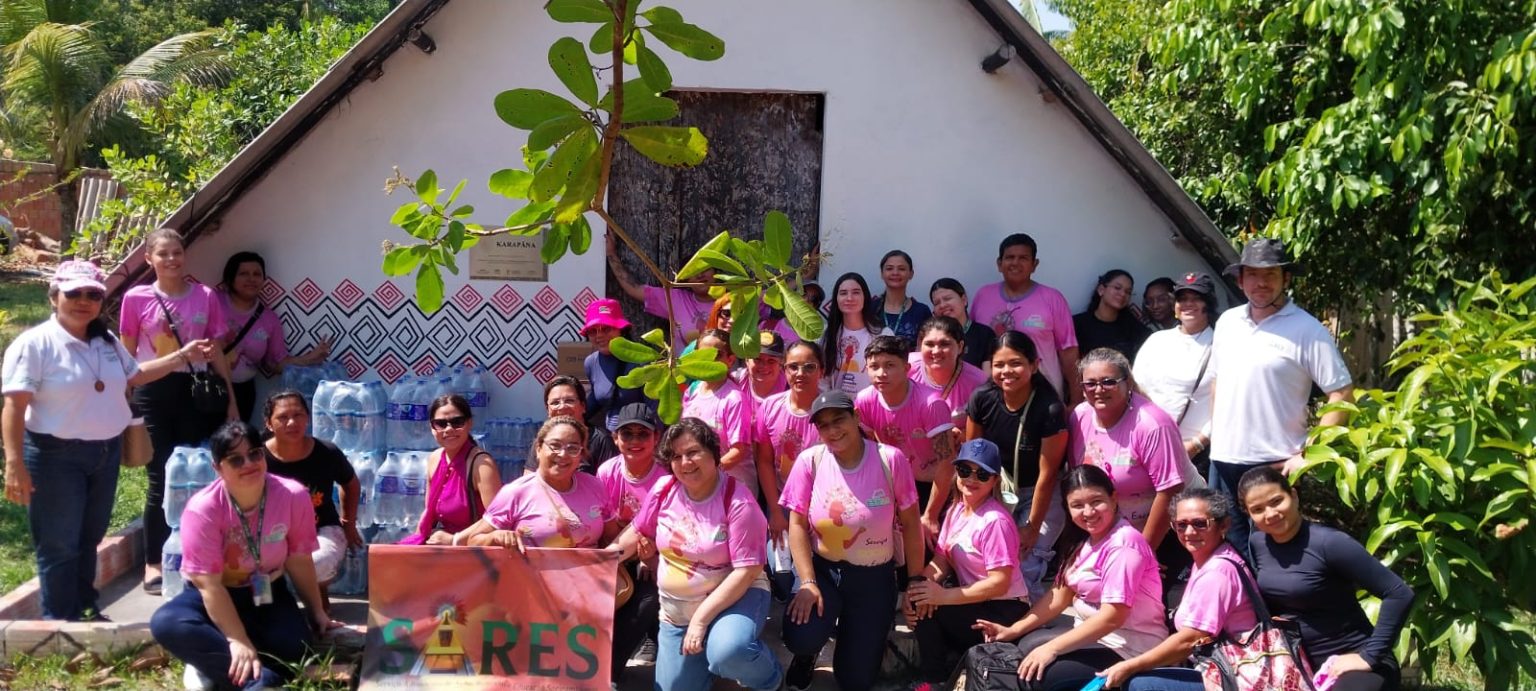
1049,19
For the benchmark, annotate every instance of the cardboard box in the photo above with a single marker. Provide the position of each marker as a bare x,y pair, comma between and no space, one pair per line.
570,356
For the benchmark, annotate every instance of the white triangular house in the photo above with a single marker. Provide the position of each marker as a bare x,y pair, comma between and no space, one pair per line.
870,121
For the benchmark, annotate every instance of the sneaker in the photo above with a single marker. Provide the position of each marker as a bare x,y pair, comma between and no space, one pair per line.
798,678
193,680
647,652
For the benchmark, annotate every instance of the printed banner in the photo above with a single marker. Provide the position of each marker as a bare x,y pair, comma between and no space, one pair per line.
488,618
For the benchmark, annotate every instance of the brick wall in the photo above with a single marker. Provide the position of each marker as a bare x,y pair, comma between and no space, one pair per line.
20,179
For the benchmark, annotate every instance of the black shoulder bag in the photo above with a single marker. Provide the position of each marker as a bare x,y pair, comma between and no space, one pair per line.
210,394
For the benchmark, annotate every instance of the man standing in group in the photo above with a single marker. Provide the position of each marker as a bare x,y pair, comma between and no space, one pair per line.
1266,356
1018,303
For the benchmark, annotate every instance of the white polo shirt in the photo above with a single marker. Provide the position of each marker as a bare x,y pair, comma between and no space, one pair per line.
60,371
1165,369
1264,376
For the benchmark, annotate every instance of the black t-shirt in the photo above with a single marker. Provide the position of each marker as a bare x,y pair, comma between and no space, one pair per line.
999,425
600,447
1313,579
1124,334
980,342
324,467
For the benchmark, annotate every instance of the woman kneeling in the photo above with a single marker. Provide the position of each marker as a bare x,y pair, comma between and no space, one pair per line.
242,537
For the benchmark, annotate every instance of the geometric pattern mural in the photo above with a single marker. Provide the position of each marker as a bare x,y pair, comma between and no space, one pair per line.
512,335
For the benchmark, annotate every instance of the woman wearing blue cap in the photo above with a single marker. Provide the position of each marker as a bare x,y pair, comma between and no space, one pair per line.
975,573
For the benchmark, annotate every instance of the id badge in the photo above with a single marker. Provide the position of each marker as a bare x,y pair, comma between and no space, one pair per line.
261,589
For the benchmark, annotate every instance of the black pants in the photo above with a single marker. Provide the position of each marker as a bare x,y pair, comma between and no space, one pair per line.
245,398
637,619
858,607
1071,670
948,632
172,421
278,630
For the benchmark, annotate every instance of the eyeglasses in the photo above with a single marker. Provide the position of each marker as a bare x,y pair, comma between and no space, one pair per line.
1199,524
966,470
456,422
636,434
798,367
1112,382
91,295
555,447
563,403
252,457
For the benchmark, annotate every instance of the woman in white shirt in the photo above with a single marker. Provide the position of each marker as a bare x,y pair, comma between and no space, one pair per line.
65,384
1172,368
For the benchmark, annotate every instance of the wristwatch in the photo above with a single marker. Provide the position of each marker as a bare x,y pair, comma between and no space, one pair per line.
912,579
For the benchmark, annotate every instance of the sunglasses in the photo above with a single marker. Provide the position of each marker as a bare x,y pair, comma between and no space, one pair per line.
92,295
456,422
1199,524
252,457
966,470
1091,384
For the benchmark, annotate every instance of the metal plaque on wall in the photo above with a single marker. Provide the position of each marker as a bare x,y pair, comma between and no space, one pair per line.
508,258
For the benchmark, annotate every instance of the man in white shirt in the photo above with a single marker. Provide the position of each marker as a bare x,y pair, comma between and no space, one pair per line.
1266,355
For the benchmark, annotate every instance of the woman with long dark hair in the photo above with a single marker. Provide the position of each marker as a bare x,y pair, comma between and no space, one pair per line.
900,314
1108,321
156,320
462,477
850,323
256,338
64,383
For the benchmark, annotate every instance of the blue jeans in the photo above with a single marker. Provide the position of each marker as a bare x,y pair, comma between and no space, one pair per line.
1166,679
733,649
74,483
1224,477
278,630
857,606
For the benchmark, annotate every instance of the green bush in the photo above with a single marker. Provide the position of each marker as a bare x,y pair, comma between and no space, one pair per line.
1445,469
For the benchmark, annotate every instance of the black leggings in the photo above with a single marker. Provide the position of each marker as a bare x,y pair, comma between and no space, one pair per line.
636,620
172,421
245,398
1071,670
949,631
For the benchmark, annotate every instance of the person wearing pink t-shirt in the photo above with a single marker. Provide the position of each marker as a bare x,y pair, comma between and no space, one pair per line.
712,538
156,321
782,429
978,551
723,405
690,306
1108,589
255,340
1018,303
628,479
846,497
913,418
1215,602
1137,444
939,363
244,539
555,506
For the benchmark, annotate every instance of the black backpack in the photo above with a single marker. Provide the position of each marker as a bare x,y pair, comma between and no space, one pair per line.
993,667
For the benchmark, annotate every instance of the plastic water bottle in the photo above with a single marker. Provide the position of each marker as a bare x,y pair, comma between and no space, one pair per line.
387,499
324,423
398,415
421,427
413,481
202,471
365,465
170,566
375,413
470,383
354,574
178,485
346,408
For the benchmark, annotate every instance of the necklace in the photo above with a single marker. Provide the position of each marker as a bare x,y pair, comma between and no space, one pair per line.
886,316
96,368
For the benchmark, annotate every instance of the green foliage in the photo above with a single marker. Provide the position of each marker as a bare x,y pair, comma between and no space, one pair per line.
151,194
566,163
1447,465
1388,142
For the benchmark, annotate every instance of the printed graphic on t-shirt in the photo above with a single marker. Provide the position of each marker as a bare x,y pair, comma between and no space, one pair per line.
238,565
790,445
1005,320
833,529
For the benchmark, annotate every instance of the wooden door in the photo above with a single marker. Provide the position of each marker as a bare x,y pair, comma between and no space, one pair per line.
764,154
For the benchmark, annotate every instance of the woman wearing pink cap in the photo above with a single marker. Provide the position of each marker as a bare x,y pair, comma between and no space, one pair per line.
64,383
605,321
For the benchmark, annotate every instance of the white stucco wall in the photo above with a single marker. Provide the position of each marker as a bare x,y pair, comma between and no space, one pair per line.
923,152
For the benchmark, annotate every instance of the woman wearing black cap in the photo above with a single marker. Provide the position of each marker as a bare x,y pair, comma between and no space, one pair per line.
845,496
975,572
1173,370
628,479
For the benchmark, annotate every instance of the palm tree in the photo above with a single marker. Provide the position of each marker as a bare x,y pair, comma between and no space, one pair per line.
52,60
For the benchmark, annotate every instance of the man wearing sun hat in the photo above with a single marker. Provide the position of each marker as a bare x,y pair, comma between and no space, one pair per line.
1266,356
605,321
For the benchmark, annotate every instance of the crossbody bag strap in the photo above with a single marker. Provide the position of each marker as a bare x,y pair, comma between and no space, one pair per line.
170,319
1018,435
1205,361
476,505
244,329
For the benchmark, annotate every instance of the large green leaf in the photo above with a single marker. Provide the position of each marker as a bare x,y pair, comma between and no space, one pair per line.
556,241
641,104
669,146
641,376
662,13
558,171
533,212
551,131
703,370
778,239
652,69
402,260
745,341
631,351
688,39
669,403
655,337
803,317
568,59
580,11
579,191
697,264
429,288
526,109
510,183
426,187
581,235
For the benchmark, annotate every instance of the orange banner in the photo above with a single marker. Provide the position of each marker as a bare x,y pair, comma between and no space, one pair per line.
488,618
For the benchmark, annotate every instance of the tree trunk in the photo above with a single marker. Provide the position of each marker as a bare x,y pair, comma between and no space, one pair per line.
69,207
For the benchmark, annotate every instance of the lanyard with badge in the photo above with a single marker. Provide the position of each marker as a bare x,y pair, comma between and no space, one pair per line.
261,583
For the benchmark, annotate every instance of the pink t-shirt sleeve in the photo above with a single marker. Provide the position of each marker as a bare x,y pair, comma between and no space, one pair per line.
216,326
1161,447
128,315
748,531
901,477
936,417
796,493
1214,600
733,419
277,347
1061,322
655,301
650,511
1122,570
202,538
998,542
